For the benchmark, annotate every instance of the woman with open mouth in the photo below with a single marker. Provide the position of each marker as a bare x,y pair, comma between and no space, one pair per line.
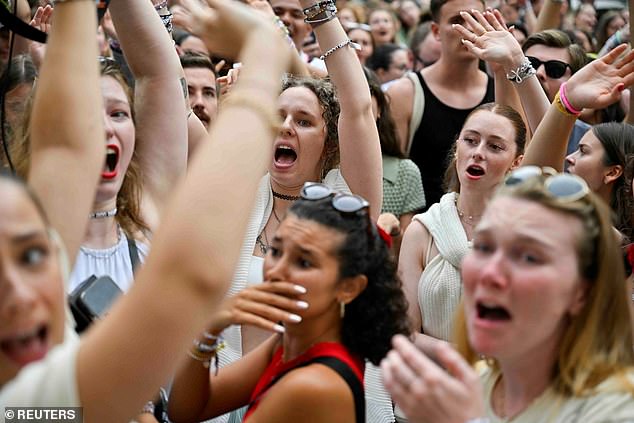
125,358
146,150
490,143
328,135
544,305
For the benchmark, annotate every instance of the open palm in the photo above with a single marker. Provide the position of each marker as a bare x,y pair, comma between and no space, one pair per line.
600,83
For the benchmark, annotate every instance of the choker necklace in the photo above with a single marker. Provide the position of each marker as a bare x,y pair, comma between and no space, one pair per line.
285,197
103,214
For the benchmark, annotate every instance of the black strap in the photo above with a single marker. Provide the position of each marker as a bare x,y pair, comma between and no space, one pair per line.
20,27
343,369
134,253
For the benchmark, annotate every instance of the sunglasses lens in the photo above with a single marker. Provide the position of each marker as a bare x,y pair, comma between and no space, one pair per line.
555,69
522,174
315,191
348,203
535,62
566,187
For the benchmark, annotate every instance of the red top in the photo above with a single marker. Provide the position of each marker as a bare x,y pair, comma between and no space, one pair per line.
277,366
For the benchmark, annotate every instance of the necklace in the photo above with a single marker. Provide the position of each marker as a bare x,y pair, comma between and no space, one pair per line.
103,214
467,219
285,197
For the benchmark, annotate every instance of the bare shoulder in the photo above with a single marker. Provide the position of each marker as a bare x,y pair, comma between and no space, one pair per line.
400,90
416,236
314,393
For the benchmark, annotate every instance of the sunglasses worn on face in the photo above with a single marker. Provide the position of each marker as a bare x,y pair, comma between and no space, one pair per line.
554,68
562,186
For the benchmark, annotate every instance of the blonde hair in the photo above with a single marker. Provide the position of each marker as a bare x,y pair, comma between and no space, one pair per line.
597,342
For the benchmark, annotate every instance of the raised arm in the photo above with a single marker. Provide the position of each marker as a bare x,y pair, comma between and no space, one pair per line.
160,95
489,40
359,147
197,245
595,86
67,134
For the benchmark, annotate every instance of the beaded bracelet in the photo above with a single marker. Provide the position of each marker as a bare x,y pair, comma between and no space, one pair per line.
342,44
525,70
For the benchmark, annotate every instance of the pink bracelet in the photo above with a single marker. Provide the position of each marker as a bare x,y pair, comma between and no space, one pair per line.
564,99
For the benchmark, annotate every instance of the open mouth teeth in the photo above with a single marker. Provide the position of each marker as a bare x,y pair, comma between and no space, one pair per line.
24,342
490,312
112,157
285,155
475,170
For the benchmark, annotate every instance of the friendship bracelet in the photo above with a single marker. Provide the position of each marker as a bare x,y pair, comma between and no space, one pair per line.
561,107
564,100
524,71
330,7
238,99
318,6
342,44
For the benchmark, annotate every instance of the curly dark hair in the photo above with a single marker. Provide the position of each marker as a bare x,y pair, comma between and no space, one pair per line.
380,311
327,97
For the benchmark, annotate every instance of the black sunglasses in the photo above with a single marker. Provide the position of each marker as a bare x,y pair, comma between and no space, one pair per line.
554,68
562,186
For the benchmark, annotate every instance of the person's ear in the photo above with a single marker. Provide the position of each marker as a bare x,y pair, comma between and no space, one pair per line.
350,288
612,174
435,30
516,162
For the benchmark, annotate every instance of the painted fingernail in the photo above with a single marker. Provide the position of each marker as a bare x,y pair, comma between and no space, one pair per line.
300,289
302,304
294,318
279,329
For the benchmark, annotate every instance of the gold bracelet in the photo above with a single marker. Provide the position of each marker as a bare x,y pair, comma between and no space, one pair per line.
560,106
242,99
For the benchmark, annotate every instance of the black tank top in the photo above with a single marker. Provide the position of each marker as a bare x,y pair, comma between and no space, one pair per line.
438,129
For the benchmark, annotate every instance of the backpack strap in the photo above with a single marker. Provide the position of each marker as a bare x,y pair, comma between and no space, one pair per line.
418,108
134,254
343,369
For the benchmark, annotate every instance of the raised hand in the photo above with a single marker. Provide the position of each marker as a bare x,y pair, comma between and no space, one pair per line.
488,38
42,20
425,391
264,305
600,83
224,25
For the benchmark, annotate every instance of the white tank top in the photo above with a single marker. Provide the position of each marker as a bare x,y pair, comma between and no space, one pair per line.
113,261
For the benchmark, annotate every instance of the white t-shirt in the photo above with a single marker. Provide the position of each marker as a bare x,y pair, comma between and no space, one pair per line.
51,382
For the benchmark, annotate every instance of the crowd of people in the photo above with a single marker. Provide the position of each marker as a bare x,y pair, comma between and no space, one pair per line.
309,210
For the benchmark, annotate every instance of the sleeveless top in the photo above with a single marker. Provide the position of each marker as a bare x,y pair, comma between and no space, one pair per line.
432,142
277,369
440,284
113,261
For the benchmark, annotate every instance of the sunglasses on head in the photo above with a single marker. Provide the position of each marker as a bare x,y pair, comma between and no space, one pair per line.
343,203
554,68
562,186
